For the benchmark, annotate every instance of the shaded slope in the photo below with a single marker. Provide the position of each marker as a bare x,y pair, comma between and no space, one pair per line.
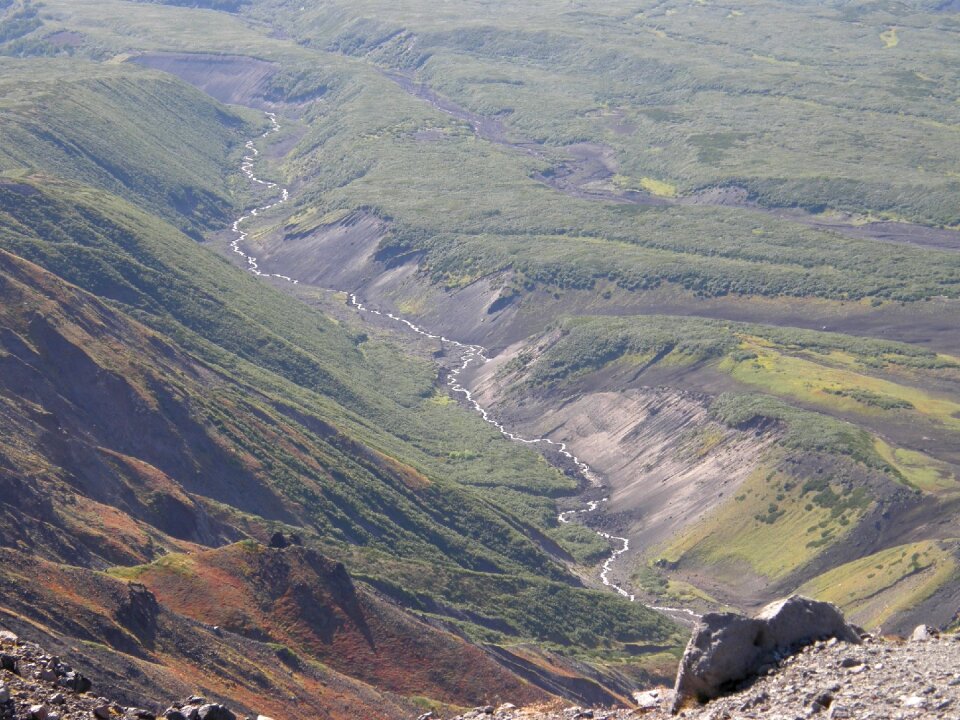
104,410
138,134
309,604
142,652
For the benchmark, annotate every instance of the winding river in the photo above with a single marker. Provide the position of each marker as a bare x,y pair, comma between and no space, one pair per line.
468,355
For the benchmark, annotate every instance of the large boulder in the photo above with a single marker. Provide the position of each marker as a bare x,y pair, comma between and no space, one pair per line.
726,648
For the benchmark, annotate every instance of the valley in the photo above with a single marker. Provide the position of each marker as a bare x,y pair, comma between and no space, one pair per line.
385,355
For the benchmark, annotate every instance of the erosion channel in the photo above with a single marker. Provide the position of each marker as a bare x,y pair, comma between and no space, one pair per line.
464,355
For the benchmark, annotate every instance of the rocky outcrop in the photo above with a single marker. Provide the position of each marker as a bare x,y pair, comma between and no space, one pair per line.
727,648
832,680
35,685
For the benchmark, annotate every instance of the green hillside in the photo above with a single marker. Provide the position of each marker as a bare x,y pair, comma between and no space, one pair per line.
713,248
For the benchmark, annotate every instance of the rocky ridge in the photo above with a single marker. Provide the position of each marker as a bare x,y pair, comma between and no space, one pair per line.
772,668
882,678
876,678
35,685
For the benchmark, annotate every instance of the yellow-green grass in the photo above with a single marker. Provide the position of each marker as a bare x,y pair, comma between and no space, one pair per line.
890,39
685,592
660,188
732,536
414,305
709,439
313,218
775,61
174,562
801,379
918,469
873,589
442,399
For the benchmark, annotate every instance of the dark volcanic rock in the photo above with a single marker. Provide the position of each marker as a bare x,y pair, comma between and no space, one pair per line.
215,712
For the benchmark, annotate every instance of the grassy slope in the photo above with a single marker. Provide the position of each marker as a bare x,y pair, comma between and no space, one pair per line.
354,155
698,82
362,138
877,587
305,411
857,419
85,122
367,143
688,97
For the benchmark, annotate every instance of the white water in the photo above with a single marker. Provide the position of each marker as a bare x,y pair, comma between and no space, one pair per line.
247,168
469,355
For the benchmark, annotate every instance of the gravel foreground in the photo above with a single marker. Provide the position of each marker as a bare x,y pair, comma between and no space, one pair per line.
35,685
883,678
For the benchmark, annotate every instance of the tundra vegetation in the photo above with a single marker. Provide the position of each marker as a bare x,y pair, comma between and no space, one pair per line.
755,204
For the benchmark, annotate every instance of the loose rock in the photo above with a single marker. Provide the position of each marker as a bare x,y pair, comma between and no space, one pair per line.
727,648
215,712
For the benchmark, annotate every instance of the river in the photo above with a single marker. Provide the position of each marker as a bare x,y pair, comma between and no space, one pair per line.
468,355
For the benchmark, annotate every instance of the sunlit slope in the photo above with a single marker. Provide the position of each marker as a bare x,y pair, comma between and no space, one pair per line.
694,94
856,445
140,135
227,410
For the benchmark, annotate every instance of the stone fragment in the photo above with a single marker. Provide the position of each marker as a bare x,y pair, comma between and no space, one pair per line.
428,715
912,701
849,662
649,700
4,694
102,711
824,699
840,712
10,663
922,633
213,711
726,648
38,712
7,636
57,699
75,681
